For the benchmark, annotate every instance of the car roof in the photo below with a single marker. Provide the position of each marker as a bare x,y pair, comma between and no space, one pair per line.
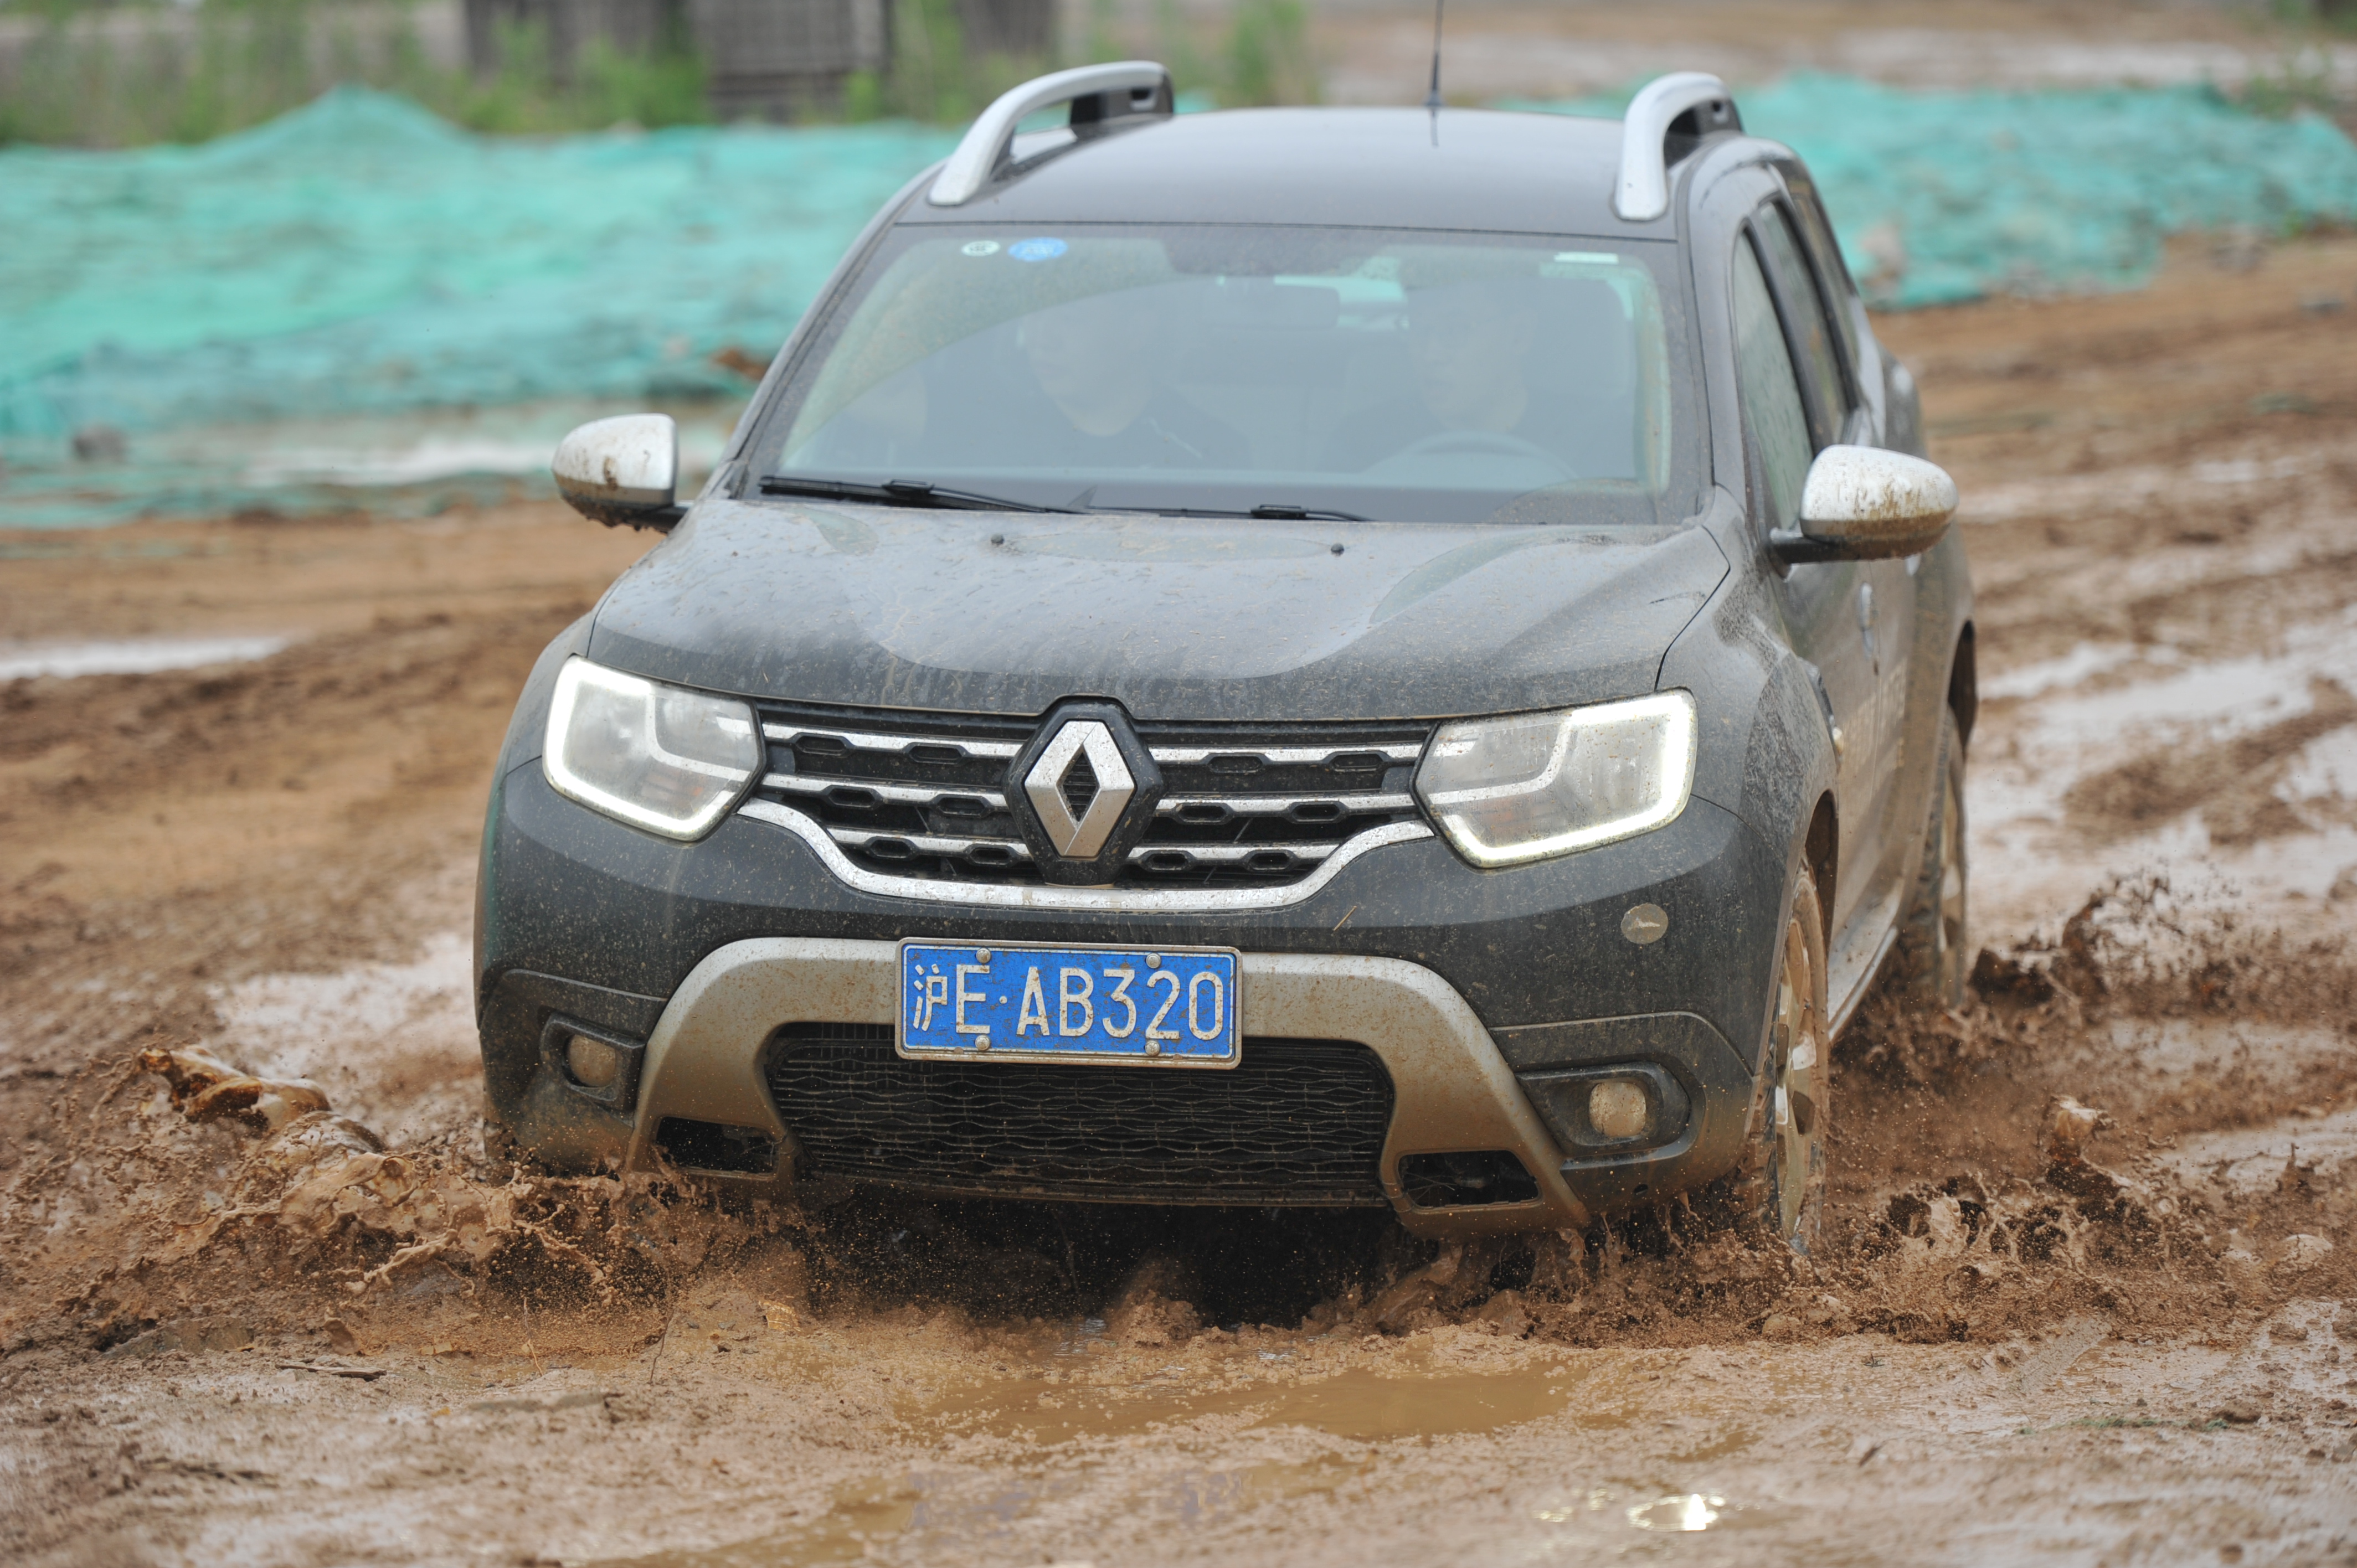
1461,169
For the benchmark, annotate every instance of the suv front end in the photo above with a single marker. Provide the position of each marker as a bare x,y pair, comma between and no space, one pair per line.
1257,541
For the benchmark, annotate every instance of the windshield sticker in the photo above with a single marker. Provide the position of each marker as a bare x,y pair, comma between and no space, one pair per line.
1593,258
980,247
1040,250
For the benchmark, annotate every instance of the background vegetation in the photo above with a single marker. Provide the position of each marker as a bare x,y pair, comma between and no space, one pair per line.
207,67
230,64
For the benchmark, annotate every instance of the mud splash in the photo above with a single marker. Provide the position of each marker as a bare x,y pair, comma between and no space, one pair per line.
2048,1208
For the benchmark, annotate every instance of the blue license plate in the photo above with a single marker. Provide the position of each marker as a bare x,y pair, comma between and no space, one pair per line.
1140,1006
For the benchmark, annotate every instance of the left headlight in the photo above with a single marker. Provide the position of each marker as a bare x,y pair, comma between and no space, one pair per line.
657,757
1531,786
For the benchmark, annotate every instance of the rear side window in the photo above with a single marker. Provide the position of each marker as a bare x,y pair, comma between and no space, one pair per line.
1775,421
1840,292
1804,309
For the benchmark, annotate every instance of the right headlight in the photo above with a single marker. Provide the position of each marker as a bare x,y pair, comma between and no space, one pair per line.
660,757
1533,786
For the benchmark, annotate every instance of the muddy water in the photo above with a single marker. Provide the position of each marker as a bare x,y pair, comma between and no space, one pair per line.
1331,1421
1086,1395
1840,1452
2000,1355
1404,1399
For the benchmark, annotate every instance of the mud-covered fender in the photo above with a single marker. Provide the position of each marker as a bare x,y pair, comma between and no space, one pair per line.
527,726
1764,752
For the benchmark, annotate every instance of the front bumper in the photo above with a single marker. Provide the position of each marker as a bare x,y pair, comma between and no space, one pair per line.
1456,1090
1455,979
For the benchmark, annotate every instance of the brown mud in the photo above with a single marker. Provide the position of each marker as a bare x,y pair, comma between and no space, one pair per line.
265,1295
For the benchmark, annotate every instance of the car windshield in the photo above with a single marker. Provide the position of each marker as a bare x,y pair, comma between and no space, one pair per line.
1250,371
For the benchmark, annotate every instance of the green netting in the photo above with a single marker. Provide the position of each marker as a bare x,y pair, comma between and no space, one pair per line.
1939,197
361,255
361,258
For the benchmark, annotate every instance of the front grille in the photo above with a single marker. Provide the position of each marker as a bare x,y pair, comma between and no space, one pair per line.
923,796
1295,1122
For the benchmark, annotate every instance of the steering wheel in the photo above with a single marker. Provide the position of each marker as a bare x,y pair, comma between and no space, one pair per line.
1479,443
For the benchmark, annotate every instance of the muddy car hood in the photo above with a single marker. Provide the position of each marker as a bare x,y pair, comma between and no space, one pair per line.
1173,619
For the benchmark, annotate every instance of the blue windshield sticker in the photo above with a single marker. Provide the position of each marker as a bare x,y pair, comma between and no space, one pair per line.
980,247
1039,249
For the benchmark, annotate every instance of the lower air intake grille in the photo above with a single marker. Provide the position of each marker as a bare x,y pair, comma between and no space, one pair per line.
1297,1122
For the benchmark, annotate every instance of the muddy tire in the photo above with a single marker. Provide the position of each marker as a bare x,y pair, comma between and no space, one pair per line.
1779,1192
1931,963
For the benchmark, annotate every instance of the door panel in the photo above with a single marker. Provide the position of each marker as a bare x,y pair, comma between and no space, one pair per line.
1875,848
1884,600
1897,602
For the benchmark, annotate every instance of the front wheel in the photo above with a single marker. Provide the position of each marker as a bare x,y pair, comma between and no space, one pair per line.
1781,1190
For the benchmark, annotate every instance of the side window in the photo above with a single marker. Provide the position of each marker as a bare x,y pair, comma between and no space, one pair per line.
1813,337
1773,417
1841,293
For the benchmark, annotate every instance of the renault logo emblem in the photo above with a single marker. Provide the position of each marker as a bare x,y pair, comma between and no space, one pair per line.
1083,792
1080,786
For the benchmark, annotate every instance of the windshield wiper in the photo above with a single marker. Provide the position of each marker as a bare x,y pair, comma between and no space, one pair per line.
898,492
1266,513
925,493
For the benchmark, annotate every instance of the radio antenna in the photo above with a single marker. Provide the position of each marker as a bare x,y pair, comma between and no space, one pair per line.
1432,98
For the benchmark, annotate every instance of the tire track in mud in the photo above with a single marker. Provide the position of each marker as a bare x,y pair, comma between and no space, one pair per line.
2232,783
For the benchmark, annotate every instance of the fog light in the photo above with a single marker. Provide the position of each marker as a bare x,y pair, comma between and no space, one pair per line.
593,1063
1608,1111
1616,1108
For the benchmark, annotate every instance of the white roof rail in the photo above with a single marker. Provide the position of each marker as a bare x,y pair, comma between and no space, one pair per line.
1644,192
1097,93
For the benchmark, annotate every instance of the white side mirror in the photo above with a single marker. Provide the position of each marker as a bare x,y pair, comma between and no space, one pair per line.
622,470
1862,503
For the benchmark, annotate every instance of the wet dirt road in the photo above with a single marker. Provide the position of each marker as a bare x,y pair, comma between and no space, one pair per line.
2131,1343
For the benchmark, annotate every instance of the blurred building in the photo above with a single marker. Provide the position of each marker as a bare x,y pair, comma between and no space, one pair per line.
763,59
775,60
563,27
1007,26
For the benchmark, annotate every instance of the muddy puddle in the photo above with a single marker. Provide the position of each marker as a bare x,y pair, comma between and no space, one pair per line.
1328,1416
870,1517
1353,1386
1400,1401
